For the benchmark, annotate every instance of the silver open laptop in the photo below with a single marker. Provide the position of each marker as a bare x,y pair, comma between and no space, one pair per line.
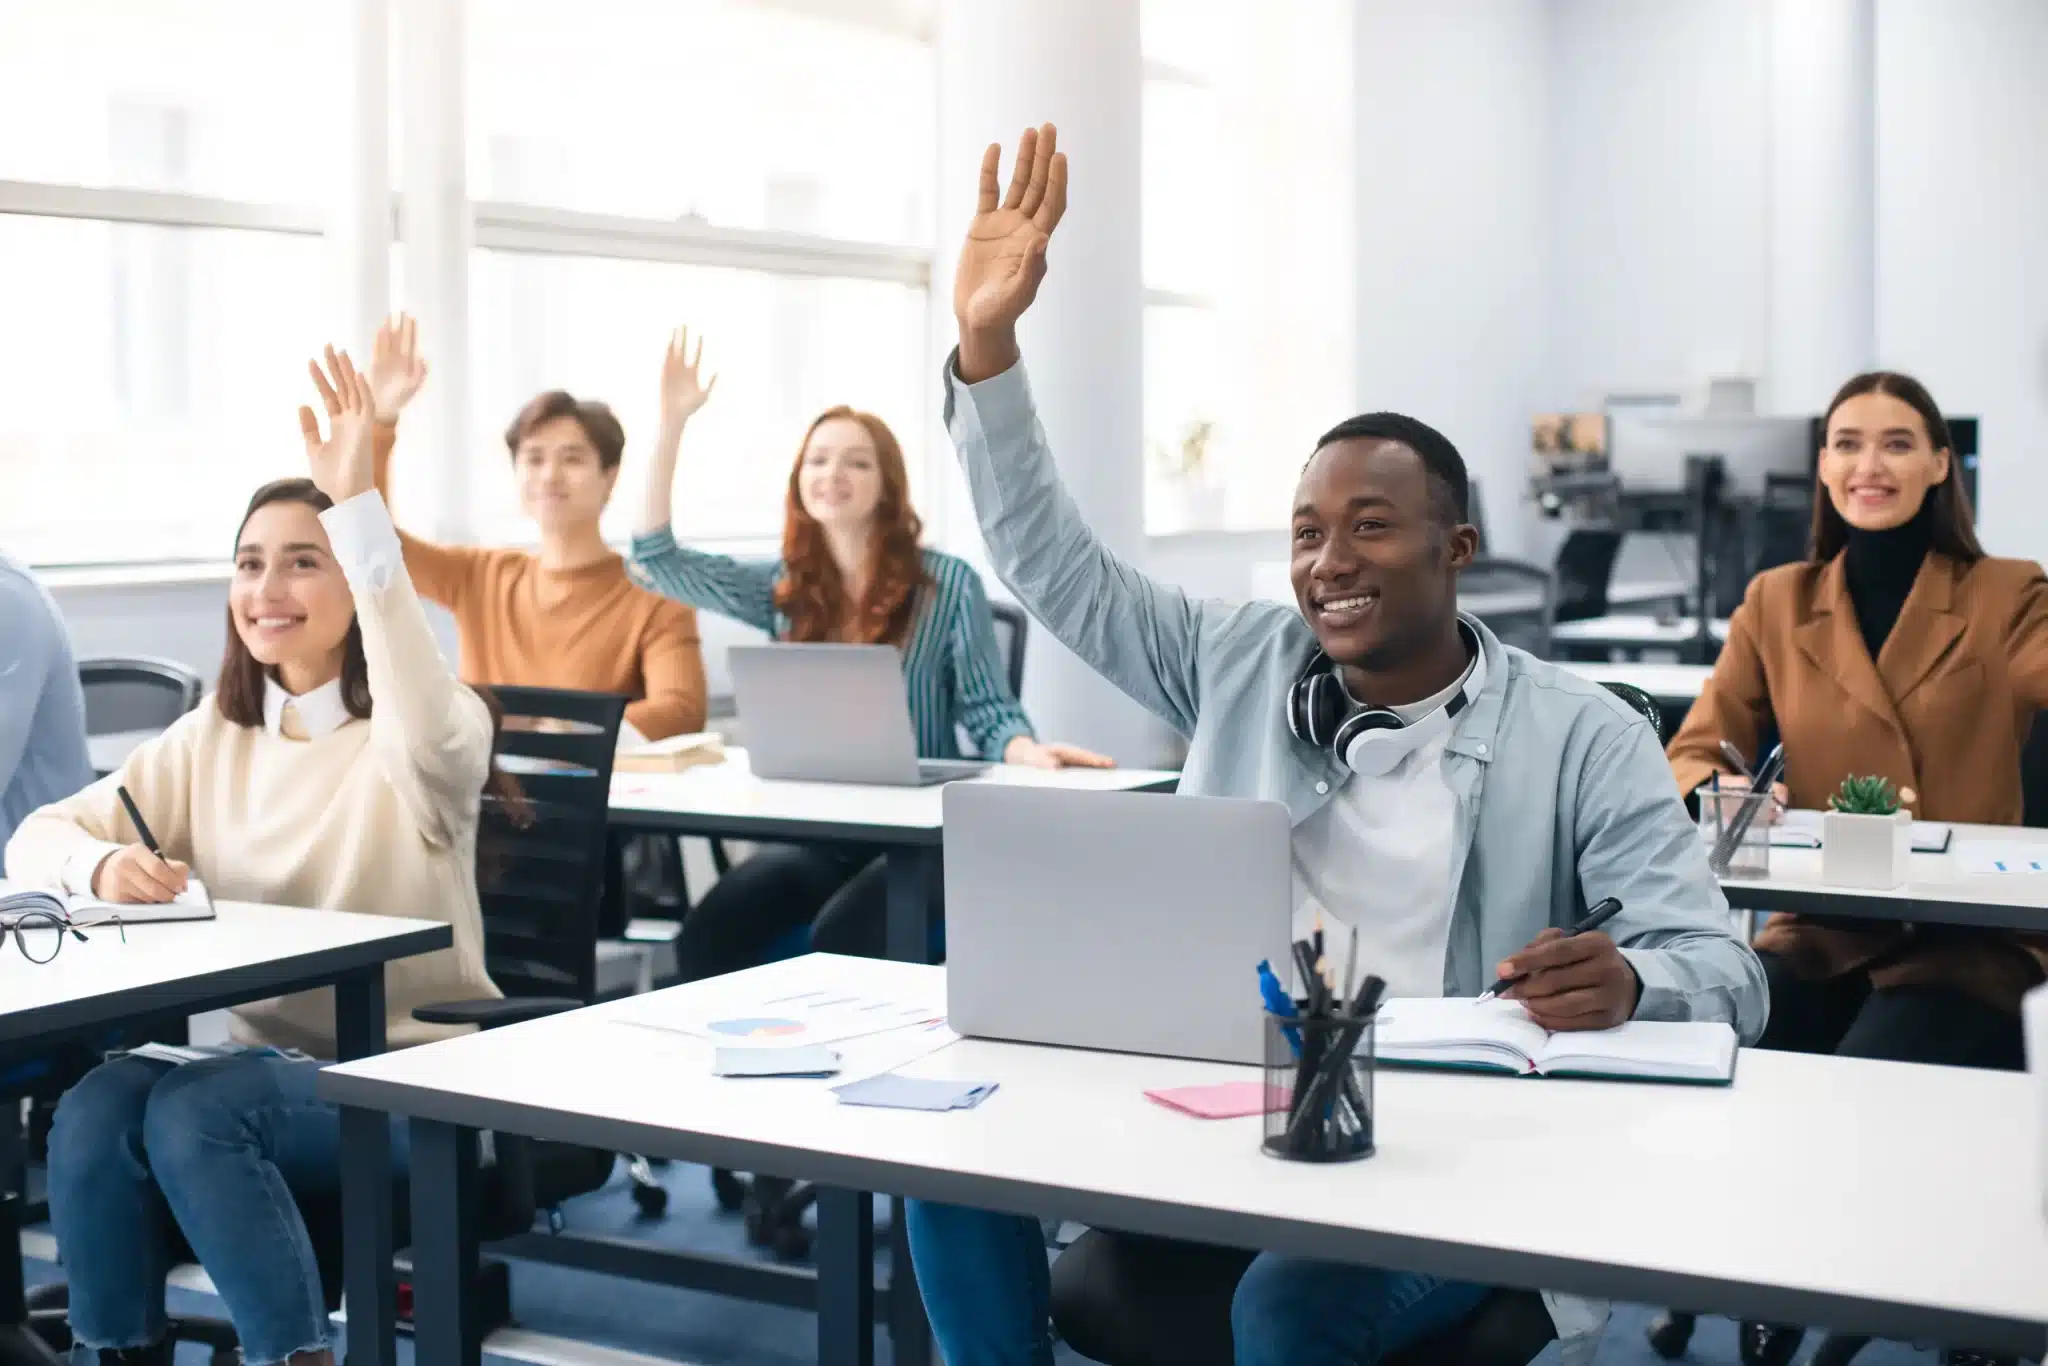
831,714
1114,920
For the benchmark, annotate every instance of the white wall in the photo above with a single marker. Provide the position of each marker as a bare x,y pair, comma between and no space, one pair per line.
1962,234
1660,263
1453,227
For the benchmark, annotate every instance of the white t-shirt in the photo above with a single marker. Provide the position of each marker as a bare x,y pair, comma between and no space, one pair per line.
1377,856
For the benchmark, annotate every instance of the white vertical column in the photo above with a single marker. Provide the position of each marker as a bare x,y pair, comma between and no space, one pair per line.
435,225
1823,199
1005,65
360,223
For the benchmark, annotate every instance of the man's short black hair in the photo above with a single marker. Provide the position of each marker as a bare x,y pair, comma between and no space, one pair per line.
1449,486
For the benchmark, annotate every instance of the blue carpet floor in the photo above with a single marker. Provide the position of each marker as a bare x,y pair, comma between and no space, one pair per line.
705,1330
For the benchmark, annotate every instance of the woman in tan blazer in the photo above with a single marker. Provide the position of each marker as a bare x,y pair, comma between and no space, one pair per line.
1899,648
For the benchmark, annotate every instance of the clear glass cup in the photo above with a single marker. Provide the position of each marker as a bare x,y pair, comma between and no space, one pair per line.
1735,828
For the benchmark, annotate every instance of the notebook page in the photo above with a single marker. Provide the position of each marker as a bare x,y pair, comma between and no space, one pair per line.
1458,1029
1689,1051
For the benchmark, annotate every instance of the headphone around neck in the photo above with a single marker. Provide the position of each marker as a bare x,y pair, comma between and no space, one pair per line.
1371,740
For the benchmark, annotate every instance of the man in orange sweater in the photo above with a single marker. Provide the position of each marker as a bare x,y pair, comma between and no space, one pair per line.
567,615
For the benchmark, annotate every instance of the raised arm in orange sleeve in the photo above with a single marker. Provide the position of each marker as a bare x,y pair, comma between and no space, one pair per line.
672,667
1733,706
440,573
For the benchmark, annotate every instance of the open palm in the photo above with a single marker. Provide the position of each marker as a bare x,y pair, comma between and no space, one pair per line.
340,463
683,389
397,370
1003,260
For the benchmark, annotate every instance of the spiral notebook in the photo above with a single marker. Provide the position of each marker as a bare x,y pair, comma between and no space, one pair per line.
1464,1034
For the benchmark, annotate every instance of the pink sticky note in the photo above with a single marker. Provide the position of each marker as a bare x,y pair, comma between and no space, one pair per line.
1225,1100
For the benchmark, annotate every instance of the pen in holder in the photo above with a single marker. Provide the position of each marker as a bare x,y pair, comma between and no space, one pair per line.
1735,826
1319,1087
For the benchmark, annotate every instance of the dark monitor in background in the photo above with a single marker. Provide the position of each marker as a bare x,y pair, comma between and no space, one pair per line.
1478,511
1962,433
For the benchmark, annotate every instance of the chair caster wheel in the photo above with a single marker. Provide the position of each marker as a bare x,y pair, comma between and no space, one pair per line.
228,1356
1769,1344
557,1221
731,1192
1671,1333
652,1200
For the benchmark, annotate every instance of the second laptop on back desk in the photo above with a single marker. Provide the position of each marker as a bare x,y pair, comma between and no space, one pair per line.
832,714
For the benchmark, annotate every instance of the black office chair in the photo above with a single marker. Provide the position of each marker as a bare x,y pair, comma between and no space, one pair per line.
1528,628
774,1208
136,694
1116,1300
540,871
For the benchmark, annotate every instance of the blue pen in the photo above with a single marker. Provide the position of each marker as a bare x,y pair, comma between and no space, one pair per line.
1278,1002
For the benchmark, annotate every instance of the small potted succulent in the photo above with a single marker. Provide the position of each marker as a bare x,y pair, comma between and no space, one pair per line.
1866,838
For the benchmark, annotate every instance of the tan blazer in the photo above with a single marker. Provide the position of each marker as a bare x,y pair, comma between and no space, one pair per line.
1943,711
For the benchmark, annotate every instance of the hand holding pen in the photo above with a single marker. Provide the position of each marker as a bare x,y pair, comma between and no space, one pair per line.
1576,979
138,874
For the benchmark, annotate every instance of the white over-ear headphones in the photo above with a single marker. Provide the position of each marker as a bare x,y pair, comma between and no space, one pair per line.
1371,740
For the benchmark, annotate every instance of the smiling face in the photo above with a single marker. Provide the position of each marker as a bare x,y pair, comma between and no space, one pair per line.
1879,462
839,475
289,602
1375,554
563,484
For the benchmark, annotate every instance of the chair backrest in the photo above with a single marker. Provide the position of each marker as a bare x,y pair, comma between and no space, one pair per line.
1585,563
1013,626
139,693
1527,626
541,882
1641,701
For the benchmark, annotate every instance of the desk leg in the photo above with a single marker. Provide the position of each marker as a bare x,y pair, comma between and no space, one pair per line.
916,886
846,1278
910,1333
447,1327
370,1285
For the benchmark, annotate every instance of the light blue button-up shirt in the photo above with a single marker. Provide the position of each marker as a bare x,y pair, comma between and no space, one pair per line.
1563,793
42,708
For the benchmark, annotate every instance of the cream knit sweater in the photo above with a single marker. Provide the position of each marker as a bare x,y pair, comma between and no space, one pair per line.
377,817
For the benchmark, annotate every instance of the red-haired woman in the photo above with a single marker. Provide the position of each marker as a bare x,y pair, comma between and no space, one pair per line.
851,571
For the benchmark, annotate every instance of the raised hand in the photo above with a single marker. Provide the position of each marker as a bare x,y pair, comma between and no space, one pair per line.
340,463
397,370
682,392
1003,260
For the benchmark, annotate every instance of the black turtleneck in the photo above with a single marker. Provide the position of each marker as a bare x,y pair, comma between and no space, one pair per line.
1880,567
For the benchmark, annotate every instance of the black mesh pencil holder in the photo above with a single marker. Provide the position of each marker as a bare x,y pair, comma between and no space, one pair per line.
1319,1088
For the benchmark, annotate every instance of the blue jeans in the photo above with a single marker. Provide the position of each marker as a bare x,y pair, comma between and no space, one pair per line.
221,1147
986,1290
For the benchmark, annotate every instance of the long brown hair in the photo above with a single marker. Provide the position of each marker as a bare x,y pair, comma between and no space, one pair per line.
1947,508
811,593
239,691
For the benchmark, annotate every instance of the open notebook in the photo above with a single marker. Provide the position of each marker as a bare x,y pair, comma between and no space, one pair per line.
193,903
1800,829
1498,1036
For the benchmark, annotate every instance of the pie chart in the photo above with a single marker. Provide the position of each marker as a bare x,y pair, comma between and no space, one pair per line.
757,1027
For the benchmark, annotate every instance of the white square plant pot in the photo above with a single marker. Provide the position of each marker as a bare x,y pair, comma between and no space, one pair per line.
1865,851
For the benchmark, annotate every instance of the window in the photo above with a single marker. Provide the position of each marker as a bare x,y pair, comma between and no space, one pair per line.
1247,234
784,348
211,97
148,383
742,115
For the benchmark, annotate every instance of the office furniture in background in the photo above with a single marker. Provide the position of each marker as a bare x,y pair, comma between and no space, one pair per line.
1937,890
1013,633
129,700
248,953
1517,600
1630,636
1070,1133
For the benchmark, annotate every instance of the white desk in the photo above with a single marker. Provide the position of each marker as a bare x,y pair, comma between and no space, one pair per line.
1937,892
908,822
1876,1197
1645,592
1678,685
248,953
1633,634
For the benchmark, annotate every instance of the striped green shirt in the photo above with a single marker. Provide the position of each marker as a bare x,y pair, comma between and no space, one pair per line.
952,669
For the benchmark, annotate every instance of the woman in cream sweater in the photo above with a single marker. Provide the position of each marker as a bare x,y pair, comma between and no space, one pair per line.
288,787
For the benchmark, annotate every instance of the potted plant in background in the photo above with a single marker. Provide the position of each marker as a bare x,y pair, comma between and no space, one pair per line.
1197,497
1866,838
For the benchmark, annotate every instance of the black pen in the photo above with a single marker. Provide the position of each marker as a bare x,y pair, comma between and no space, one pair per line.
1601,913
141,826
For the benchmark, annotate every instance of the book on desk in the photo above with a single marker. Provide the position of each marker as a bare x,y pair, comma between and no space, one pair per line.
1801,829
194,903
1466,1035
